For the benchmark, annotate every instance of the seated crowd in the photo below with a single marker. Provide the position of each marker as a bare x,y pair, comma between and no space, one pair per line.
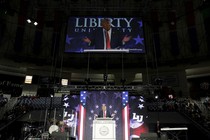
183,105
28,103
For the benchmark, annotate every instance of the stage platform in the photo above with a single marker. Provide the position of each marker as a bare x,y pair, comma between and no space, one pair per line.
151,117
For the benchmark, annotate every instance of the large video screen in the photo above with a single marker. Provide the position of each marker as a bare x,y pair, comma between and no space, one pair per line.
87,34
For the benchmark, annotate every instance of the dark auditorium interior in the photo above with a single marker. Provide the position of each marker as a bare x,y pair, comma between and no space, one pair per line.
50,79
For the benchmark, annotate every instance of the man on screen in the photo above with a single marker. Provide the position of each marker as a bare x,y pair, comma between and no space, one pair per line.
106,37
104,113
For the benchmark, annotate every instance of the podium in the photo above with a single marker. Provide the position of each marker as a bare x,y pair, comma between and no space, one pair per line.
104,129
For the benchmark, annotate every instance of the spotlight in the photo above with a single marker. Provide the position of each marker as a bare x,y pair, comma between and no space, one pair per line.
32,21
170,96
28,79
64,82
28,20
35,23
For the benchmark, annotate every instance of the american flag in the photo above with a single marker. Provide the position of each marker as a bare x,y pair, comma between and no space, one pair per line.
90,104
71,109
130,112
138,116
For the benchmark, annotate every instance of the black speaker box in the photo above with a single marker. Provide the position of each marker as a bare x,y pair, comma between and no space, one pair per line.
45,92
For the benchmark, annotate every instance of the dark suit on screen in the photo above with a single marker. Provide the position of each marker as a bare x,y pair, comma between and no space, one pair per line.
108,114
97,39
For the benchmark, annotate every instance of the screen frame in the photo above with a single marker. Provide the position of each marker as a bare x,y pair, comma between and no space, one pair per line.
112,51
